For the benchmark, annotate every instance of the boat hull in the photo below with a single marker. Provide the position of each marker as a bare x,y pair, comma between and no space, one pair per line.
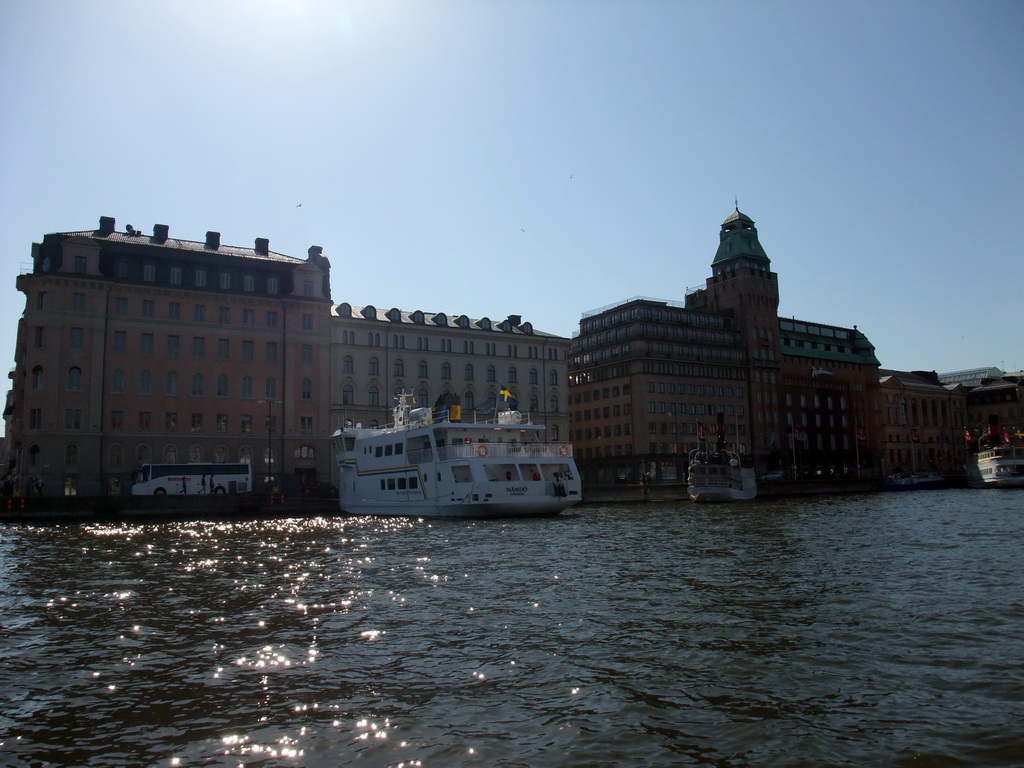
475,510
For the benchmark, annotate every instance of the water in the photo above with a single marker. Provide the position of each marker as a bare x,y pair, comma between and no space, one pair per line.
884,629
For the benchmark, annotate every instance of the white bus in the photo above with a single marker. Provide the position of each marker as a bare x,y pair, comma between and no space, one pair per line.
190,479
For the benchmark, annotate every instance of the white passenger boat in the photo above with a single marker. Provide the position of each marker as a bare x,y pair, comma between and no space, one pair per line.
431,463
720,475
998,462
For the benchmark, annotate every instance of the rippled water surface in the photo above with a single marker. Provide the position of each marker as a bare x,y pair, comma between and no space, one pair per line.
885,629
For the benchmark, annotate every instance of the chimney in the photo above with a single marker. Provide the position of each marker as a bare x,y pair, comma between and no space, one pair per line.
516,320
315,252
106,225
160,232
213,240
262,245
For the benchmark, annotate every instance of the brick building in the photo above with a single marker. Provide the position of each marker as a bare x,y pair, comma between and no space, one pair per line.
141,347
646,376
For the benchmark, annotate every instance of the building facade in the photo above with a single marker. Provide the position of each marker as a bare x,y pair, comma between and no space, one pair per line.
378,353
137,348
923,423
998,400
648,378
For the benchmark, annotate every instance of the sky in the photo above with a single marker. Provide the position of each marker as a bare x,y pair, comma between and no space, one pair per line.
545,159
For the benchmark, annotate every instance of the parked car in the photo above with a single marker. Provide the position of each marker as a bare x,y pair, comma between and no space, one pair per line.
773,475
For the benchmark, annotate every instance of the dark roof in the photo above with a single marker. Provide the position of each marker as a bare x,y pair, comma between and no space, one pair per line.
172,243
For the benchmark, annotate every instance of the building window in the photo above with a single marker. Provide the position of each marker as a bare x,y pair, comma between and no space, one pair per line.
246,425
173,346
469,372
200,278
307,354
197,422
146,344
271,351
73,418
174,310
170,454
77,338
78,302
81,265
446,370
307,289
171,421
149,273
39,338
117,420
272,286
347,395
513,375
71,454
75,379
222,385
145,383
305,425
247,351
422,369
148,308
199,313
175,276
307,389
118,382
223,349
222,422
374,396
374,369
399,368
120,306
347,364
248,317
247,386
248,284
120,342
35,418
271,319
198,347
270,388
307,322
492,375
171,383
533,376
225,281
224,316
553,377
195,453
197,385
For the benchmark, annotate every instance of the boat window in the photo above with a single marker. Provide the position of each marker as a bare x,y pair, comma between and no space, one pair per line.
461,473
388,450
529,472
399,449
379,451
501,472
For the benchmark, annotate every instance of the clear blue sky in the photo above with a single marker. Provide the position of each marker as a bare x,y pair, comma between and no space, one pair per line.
546,158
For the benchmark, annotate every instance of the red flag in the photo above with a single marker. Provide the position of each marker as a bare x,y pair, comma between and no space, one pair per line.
967,434
862,433
702,432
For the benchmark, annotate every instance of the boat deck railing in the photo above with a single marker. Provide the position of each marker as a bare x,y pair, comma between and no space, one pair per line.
482,450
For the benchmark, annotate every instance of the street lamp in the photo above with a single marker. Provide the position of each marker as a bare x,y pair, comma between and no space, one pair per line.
270,435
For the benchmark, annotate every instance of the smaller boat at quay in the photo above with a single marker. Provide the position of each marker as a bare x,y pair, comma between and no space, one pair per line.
915,481
720,475
431,463
998,462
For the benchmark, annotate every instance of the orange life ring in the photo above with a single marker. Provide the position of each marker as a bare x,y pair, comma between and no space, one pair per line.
564,450
481,450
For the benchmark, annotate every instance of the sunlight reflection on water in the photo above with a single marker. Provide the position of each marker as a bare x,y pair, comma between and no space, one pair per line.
818,632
